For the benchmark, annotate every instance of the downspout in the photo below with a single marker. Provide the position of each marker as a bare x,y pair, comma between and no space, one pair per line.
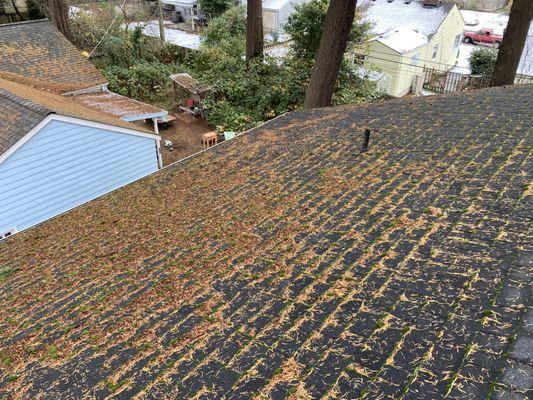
158,145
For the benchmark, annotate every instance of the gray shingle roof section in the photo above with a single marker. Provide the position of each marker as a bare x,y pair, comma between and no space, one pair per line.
17,117
36,53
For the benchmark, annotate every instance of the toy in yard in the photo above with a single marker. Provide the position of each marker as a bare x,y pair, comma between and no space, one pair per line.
189,94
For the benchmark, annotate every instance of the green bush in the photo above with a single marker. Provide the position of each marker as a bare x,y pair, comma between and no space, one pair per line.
34,11
227,32
305,27
89,27
145,81
246,94
482,61
215,8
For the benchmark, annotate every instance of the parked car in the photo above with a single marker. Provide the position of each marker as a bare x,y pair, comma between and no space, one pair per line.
483,36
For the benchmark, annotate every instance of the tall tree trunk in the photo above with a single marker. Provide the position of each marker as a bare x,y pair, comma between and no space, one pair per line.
254,29
59,14
339,21
514,39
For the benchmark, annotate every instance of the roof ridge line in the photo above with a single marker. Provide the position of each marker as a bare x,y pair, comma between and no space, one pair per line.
31,21
25,103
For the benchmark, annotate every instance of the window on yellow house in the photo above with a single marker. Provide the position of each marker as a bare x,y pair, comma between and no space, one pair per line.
435,51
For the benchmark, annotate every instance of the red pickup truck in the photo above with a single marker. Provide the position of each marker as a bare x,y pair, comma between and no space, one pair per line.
483,36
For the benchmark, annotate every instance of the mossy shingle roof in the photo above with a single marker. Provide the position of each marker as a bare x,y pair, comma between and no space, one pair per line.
17,117
287,263
36,53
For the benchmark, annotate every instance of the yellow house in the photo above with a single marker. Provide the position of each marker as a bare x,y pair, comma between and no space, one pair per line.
408,35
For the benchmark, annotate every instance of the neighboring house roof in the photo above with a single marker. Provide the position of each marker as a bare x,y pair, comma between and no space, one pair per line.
387,16
278,50
37,53
188,3
287,261
403,39
24,100
17,117
119,106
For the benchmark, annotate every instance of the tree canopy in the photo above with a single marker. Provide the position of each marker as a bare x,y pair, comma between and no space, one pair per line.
216,8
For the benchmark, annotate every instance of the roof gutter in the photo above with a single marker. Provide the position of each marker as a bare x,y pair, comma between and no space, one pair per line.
139,117
102,87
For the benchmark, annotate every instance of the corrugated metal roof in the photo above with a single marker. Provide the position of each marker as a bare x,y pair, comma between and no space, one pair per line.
119,106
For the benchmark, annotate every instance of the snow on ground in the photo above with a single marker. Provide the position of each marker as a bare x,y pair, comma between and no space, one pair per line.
279,50
173,36
462,65
386,16
476,20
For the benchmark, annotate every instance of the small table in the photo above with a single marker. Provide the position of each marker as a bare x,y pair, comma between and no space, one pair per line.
209,139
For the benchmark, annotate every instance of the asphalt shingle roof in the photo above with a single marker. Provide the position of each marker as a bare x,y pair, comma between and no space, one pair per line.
36,53
286,262
17,117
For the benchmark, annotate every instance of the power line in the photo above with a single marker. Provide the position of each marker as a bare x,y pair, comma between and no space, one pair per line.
107,30
411,65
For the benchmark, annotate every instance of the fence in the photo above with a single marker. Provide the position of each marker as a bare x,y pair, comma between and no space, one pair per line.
447,82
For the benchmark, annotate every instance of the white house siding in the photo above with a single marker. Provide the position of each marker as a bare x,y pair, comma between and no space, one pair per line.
65,165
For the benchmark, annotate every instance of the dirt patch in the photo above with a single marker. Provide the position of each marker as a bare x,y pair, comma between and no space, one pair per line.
186,135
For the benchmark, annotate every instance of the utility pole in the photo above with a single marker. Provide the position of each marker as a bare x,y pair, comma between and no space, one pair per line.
161,26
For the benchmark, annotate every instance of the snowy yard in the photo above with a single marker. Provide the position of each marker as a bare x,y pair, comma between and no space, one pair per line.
173,36
475,20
